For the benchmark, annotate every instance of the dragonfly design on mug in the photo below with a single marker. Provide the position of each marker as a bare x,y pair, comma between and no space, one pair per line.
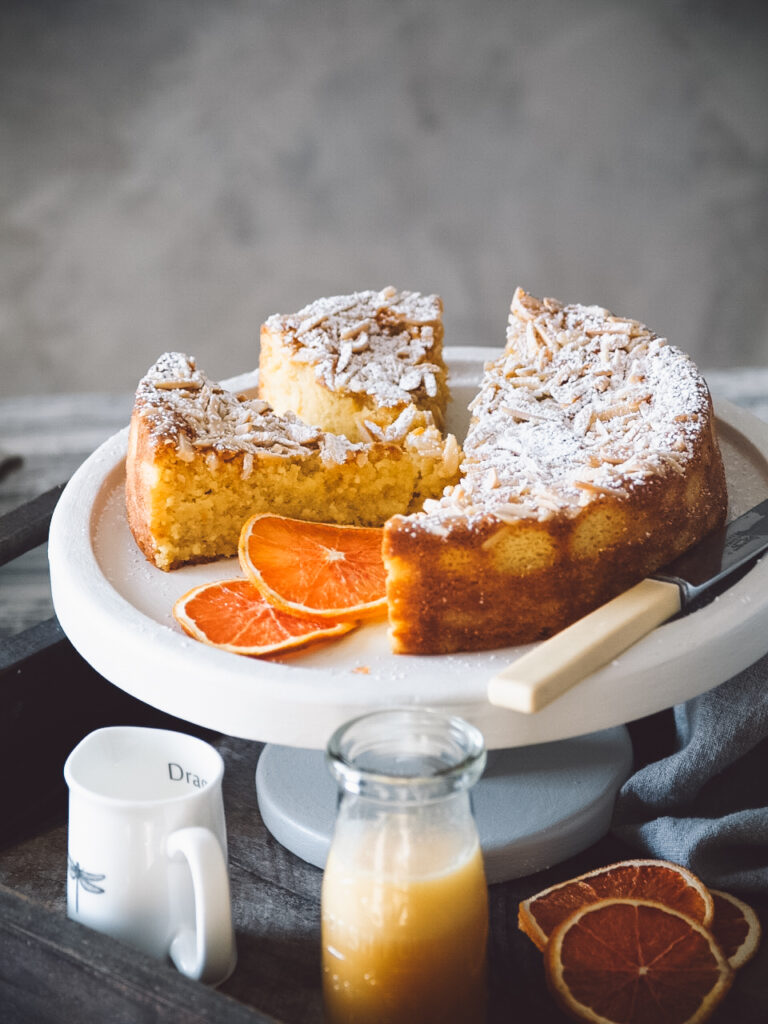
86,879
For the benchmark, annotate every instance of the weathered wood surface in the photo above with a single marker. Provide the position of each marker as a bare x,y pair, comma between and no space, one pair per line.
53,970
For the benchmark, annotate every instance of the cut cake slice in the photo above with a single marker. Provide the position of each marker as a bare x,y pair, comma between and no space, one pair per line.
353,364
591,461
201,460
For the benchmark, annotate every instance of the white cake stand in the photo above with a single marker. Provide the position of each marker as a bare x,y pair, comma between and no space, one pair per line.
116,610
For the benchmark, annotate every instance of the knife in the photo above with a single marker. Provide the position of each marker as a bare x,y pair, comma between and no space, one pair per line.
554,666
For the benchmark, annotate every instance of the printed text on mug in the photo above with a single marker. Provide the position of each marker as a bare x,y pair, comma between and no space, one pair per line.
177,774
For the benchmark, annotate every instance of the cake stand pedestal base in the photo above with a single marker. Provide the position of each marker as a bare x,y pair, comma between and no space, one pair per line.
534,806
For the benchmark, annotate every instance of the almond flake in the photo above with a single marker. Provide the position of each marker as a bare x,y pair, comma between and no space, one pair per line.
353,331
178,385
511,513
593,488
410,380
361,343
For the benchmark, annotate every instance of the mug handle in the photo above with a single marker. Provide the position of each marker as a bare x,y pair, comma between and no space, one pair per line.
206,953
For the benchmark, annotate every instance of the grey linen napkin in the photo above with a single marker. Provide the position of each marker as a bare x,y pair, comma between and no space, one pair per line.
705,804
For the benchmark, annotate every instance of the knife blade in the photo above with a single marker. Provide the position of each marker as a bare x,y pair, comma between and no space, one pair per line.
554,666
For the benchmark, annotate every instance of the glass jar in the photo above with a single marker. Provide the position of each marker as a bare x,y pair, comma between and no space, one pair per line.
404,897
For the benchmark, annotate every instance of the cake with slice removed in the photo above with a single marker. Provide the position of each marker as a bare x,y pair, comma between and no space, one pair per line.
590,462
354,364
201,460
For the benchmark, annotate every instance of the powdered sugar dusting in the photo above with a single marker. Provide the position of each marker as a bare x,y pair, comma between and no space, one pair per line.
383,344
185,408
581,404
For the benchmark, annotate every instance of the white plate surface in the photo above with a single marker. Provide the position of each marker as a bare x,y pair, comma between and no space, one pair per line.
116,609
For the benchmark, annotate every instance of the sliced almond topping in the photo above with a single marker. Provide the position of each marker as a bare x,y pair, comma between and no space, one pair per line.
410,380
546,341
583,420
523,414
549,504
451,455
491,479
510,513
311,323
247,469
552,496
522,305
345,354
613,325
641,466
355,329
621,409
397,430
184,448
178,385
593,488
371,431
610,459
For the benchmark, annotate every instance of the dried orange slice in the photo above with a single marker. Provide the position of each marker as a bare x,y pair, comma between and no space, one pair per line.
233,615
659,880
630,961
736,927
315,569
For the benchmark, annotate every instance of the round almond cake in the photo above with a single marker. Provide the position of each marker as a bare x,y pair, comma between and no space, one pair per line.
590,462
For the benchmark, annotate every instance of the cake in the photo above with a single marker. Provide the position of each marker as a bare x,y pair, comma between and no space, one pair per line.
353,364
591,461
201,460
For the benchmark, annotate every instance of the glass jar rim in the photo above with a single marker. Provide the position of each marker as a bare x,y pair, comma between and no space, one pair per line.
455,748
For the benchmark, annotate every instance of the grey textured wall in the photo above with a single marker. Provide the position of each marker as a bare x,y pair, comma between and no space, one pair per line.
173,171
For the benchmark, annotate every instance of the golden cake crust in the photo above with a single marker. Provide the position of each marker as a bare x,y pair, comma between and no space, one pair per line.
201,460
591,461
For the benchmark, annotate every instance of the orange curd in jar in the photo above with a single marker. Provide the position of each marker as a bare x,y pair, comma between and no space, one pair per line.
404,898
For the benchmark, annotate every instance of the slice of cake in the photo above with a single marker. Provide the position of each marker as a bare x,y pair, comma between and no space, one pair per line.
591,461
353,364
201,460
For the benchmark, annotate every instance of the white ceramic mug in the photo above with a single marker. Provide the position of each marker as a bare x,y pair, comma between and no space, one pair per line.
148,848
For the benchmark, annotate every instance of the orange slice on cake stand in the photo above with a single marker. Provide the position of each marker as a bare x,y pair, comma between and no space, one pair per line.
234,616
315,569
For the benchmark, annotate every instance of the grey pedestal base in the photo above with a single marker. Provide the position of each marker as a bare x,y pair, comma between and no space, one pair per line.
534,806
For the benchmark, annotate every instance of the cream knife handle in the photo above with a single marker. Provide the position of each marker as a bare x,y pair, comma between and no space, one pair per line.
546,672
